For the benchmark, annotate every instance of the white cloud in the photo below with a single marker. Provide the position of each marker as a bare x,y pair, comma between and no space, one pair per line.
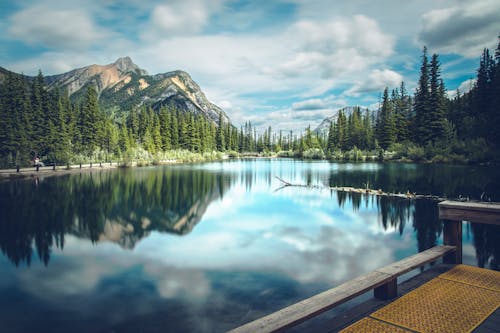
465,28
310,104
335,47
377,80
55,28
181,17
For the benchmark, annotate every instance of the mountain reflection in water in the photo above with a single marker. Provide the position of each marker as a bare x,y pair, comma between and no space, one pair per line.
125,206
119,206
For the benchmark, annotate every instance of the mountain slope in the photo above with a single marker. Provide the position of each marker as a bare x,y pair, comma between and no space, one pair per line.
123,85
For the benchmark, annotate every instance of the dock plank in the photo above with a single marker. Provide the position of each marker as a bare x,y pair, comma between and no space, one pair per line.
308,308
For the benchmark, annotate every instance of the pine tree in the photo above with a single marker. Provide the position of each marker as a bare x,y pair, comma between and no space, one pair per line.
402,114
219,135
331,144
342,135
39,105
367,133
421,102
435,120
133,124
58,142
165,130
387,131
88,124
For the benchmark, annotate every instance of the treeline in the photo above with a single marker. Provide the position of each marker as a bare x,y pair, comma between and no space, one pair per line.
426,126
35,121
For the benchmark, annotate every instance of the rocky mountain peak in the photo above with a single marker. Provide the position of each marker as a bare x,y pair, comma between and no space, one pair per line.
125,65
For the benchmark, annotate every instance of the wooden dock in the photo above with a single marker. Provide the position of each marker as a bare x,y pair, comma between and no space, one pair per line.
462,299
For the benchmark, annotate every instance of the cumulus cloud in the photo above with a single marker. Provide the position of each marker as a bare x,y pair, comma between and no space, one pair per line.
335,47
182,16
377,80
464,29
309,104
55,28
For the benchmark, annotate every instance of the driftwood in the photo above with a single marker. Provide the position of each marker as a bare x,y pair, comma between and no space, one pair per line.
369,191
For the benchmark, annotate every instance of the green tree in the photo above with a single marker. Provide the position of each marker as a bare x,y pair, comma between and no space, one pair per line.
421,101
165,130
386,132
435,121
219,135
89,122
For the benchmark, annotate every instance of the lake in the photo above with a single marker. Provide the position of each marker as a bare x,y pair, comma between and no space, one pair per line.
207,247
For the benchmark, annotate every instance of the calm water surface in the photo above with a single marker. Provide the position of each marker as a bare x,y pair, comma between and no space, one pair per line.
205,248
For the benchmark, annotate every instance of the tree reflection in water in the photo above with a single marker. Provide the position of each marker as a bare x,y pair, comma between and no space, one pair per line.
124,206
120,206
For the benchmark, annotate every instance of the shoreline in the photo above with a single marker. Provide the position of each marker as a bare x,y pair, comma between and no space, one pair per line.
49,171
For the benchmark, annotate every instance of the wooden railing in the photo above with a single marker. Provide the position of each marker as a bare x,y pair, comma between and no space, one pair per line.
454,212
383,280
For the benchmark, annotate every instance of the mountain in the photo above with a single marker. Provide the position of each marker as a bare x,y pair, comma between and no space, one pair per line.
123,85
324,126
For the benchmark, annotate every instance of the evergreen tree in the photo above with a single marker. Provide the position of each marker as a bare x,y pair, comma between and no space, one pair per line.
331,144
58,142
88,124
386,133
402,114
421,102
39,105
435,120
367,132
165,131
219,135
342,135
174,129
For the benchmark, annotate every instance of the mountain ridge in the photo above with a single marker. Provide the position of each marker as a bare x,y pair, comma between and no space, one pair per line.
123,86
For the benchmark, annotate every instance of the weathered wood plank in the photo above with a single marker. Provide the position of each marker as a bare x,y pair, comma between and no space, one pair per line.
308,308
315,305
470,205
478,212
415,261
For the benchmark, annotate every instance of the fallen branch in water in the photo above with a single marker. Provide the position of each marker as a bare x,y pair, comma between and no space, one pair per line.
367,190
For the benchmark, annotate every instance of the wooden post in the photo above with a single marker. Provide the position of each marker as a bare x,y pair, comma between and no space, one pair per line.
54,167
452,235
387,291
80,165
17,168
37,167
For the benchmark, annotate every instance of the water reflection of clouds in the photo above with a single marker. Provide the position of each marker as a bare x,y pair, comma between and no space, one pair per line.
304,235
81,269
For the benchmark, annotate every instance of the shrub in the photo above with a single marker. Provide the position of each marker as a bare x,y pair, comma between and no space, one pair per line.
314,154
416,153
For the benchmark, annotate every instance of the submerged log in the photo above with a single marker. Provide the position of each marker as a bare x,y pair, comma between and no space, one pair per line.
367,190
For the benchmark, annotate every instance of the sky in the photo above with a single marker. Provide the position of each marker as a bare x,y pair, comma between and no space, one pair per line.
281,63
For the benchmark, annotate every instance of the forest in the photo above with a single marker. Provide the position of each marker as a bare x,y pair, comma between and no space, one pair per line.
428,126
